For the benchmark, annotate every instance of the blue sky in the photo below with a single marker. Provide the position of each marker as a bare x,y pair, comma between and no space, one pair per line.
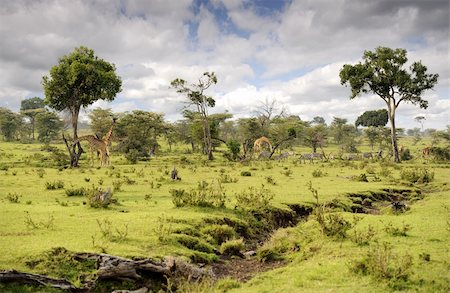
287,51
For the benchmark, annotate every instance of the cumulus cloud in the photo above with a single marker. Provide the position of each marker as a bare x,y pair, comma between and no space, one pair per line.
288,50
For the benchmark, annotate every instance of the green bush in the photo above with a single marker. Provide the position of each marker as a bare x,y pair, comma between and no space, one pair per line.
59,184
205,195
220,233
318,173
254,198
76,191
382,262
232,247
246,173
193,243
420,175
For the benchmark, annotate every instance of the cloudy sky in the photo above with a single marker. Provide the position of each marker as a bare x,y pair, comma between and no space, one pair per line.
289,51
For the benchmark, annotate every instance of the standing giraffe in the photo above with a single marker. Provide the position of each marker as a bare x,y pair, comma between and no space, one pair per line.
95,144
99,145
108,137
257,146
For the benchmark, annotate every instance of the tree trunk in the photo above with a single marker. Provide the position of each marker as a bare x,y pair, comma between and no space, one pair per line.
76,150
32,127
208,141
393,133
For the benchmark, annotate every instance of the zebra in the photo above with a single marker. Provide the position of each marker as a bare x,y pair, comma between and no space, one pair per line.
282,156
311,157
367,155
352,157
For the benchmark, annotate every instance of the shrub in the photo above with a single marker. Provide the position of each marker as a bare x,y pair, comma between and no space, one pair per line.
40,172
246,173
334,225
205,195
220,233
361,178
405,155
76,191
397,231
54,185
420,175
13,197
363,237
318,173
270,180
97,198
382,262
194,243
232,247
281,242
254,198
132,156
109,233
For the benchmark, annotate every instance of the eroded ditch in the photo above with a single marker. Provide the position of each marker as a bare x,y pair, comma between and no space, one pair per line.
103,272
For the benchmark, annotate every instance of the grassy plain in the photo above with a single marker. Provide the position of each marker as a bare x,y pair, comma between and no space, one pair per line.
34,219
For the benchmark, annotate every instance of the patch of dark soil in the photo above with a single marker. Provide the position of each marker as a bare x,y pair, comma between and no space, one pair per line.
302,211
243,269
372,202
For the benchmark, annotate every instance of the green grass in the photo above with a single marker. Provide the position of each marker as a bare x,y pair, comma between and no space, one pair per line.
145,211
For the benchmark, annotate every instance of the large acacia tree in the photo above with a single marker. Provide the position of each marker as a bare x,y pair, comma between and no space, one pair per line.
30,108
78,80
383,73
196,96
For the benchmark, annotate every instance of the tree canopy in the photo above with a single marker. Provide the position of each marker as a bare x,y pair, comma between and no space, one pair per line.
78,80
373,118
382,73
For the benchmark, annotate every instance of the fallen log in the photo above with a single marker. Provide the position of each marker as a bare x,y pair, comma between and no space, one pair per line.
13,276
116,268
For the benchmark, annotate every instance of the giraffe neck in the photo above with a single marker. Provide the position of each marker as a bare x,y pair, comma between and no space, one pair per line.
107,137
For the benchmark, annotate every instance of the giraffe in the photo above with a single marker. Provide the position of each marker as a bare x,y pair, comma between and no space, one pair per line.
257,146
99,145
95,144
108,136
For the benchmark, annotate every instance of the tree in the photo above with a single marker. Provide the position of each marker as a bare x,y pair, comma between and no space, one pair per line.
373,118
100,121
318,120
79,79
382,73
420,119
30,108
266,112
315,136
195,94
10,124
138,132
48,125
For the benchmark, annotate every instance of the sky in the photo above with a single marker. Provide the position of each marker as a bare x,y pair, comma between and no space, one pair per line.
287,51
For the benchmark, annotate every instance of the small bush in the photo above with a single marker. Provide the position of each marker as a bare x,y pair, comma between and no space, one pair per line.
13,197
397,231
40,172
361,178
232,247
246,173
220,233
116,234
405,155
363,237
76,191
334,225
270,180
382,262
54,185
254,198
205,195
194,243
318,173
97,198
420,175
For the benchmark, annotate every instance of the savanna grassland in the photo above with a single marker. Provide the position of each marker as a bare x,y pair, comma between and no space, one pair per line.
292,226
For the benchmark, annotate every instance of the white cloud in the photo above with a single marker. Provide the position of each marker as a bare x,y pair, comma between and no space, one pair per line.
290,51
